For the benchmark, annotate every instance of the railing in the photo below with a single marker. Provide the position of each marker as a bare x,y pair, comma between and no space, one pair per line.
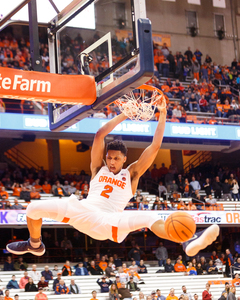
196,160
21,159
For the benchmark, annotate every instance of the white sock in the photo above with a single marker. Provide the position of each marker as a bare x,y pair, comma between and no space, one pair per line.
35,243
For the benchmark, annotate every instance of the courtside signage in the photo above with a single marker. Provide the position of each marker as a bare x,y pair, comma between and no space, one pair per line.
195,131
18,217
47,87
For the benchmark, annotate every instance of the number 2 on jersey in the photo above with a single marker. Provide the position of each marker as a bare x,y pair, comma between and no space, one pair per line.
107,190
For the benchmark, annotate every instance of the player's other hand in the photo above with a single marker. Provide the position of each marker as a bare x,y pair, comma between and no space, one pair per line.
161,104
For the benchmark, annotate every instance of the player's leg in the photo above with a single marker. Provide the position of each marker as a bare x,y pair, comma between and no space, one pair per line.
53,209
131,221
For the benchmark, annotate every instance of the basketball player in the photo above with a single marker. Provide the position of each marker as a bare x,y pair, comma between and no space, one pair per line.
101,215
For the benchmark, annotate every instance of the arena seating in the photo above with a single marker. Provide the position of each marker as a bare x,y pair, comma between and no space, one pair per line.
153,281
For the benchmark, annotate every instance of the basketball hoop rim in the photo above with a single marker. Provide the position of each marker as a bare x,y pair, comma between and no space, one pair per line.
149,88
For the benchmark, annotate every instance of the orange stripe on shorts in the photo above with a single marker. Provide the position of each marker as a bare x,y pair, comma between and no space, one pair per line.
65,220
114,233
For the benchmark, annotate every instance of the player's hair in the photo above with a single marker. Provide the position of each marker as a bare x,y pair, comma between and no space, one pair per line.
117,145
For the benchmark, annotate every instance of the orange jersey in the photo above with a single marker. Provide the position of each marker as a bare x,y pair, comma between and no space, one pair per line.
17,191
47,188
179,268
236,282
103,265
169,297
4,193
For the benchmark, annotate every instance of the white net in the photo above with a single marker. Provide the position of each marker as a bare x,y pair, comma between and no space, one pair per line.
139,105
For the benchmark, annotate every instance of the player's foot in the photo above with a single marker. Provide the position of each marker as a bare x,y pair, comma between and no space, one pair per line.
20,248
201,240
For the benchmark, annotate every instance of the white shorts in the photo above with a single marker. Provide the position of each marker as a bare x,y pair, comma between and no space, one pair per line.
90,220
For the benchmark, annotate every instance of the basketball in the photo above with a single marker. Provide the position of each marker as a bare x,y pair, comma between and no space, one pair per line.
180,226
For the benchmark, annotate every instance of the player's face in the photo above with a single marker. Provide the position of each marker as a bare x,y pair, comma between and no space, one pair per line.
115,160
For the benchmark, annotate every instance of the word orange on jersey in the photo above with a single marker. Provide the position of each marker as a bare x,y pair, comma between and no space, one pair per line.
111,180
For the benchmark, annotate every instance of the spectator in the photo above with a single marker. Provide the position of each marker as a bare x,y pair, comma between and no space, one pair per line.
55,271
47,273
185,293
30,286
161,254
113,292
172,295
94,269
193,103
103,264
206,294
179,267
43,283
191,206
191,270
217,188
232,293
142,268
61,288
226,188
162,190
195,185
8,264
59,191
124,293
159,296
25,194
132,286
133,266
16,297
135,254
229,263
46,187
199,269
223,296
168,268
57,280
34,274
123,277
235,190
24,280
16,189
34,194
20,265
236,280
66,269
40,295
104,285
227,288
7,295
81,270
211,269
117,261
13,284
94,295
74,288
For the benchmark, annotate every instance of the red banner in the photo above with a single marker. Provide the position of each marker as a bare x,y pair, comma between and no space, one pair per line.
47,87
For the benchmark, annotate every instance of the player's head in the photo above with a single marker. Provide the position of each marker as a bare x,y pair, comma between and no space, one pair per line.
116,156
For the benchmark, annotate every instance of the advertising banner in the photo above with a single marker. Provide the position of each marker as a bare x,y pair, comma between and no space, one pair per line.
18,217
47,87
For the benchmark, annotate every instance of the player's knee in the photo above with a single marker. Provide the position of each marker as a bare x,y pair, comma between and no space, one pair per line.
34,210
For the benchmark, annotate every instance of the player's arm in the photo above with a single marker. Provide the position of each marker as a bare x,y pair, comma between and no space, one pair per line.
99,144
138,168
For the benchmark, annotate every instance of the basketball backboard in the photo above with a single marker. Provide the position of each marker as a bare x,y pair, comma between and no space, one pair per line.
117,52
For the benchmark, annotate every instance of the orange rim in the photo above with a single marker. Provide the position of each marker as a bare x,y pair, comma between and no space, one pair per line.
152,88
